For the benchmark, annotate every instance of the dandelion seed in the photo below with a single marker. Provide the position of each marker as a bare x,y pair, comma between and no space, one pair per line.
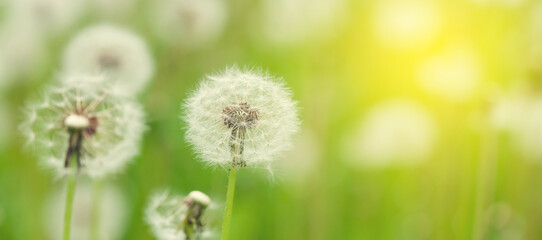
240,118
399,132
112,51
92,123
191,22
178,218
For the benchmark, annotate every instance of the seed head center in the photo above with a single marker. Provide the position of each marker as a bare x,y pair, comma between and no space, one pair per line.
76,122
240,115
108,62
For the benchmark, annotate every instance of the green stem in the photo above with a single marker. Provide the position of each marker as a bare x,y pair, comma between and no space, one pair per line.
229,204
70,192
96,210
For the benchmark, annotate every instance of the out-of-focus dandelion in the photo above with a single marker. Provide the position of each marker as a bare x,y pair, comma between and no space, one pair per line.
178,218
84,119
112,213
406,23
398,132
295,21
190,22
237,119
521,117
307,153
47,16
112,51
453,74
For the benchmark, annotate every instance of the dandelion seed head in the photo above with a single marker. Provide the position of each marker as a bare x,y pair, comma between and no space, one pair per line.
191,22
111,51
169,214
248,110
111,126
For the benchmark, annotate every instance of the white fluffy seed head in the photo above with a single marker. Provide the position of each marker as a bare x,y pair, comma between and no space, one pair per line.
191,22
111,51
249,102
114,126
167,214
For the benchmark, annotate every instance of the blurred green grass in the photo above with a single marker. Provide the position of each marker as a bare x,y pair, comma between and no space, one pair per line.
335,82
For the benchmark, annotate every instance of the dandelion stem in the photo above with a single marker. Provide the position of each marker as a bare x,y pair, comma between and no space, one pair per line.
70,192
96,210
229,204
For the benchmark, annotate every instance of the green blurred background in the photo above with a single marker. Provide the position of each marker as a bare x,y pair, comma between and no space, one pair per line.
341,58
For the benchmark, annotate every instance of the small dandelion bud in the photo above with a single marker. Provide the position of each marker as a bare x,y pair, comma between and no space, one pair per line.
86,121
240,118
177,218
191,22
115,52
200,198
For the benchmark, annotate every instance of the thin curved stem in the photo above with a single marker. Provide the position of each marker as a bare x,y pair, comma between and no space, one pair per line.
226,224
70,192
